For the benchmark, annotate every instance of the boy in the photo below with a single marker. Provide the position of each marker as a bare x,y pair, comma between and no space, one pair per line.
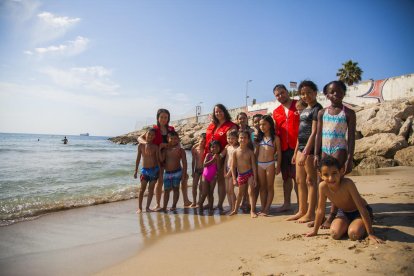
197,153
175,172
150,168
354,214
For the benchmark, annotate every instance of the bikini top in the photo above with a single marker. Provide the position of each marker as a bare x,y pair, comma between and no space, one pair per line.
267,143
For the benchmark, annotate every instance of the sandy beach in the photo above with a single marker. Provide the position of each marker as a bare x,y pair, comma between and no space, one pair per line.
111,239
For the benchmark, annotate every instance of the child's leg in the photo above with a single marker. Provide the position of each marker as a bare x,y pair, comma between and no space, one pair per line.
166,199
261,173
240,195
211,186
158,188
196,179
184,190
151,187
221,188
311,178
231,196
302,190
270,181
141,195
176,196
204,193
252,198
339,226
356,230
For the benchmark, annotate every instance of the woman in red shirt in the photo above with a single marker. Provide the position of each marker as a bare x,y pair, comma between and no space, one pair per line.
217,130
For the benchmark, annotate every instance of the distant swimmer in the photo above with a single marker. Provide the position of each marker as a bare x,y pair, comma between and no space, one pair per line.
65,140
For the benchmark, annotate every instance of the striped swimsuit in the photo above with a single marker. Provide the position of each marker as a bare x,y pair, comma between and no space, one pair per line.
334,132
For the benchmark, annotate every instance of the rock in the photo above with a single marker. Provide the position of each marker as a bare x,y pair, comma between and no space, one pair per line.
406,127
401,109
405,157
364,115
375,162
381,144
381,125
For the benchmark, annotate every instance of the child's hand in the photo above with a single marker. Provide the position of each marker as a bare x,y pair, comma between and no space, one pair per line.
277,171
135,174
375,239
316,161
293,160
311,234
234,182
302,160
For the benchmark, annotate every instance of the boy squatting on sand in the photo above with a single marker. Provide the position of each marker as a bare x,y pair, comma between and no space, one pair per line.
354,214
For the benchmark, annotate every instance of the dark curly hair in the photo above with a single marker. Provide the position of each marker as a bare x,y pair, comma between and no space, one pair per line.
225,111
337,82
308,83
159,112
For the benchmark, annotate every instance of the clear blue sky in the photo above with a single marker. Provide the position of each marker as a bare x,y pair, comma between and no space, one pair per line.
103,66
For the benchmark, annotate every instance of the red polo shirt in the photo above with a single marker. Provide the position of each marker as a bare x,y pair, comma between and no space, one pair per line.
287,128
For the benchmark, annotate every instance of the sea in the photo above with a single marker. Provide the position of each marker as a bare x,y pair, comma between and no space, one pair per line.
39,174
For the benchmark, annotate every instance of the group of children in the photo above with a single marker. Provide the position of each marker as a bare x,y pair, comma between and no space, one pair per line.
253,156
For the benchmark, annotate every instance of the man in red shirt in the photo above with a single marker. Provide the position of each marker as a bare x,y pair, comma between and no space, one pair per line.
287,127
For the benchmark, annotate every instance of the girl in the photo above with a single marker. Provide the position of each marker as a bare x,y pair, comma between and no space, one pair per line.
211,166
268,145
244,162
335,134
243,122
306,174
228,153
197,166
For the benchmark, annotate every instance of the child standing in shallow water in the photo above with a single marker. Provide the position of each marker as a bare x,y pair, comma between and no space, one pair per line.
150,169
175,169
197,153
268,145
335,133
244,167
228,153
211,166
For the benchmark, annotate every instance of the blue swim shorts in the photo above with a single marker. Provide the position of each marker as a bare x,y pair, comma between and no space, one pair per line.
150,174
172,179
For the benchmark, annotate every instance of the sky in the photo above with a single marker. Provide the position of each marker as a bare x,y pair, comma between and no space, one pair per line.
106,66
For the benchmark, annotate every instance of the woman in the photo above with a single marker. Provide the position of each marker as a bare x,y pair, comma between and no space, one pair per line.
217,130
161,130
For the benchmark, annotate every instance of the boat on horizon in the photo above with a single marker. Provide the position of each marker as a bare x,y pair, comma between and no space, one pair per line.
84,134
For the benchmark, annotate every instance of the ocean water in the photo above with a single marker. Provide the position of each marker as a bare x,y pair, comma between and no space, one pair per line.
39,174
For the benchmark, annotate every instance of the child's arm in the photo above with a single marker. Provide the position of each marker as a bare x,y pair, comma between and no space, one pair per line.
141,139
318,137
254,167
311,141
279,155
193,160
359,202
162,154
295,152
233,168
223,153
137,161
351,120
157,155
320,212
184,161
209,160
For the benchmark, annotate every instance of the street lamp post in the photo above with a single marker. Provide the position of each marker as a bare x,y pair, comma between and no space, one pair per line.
247,90
198,110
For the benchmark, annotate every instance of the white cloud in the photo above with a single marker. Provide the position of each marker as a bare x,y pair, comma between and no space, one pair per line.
95,78
57,21
70,48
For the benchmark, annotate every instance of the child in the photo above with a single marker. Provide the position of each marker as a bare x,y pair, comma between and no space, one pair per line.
244,163
211,166
197,165
232,145
243,122
268,145
306,174
300,105
150,168
354,214
256,122
175,169
334,122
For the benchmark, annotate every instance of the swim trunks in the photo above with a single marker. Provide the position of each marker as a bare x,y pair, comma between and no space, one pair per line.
149,174
354,214
287,168
243,178
172,179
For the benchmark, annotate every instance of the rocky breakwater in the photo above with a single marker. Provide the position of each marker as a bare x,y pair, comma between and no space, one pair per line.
385,135
188,134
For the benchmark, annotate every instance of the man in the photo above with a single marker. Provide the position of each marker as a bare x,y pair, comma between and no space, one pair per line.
287,127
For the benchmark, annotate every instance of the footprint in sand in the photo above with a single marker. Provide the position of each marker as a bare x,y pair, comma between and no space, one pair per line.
246,273
314,259
337,261
269,256
290,237
408,248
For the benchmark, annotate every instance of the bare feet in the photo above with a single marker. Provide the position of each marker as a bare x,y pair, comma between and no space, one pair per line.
233,213
295,216
173,208
157,209
148,210
193,205
305,219
253,215
328,221
139,211
283,208
188,204
163,210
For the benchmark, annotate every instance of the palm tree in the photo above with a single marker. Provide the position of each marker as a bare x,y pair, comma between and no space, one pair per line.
350,72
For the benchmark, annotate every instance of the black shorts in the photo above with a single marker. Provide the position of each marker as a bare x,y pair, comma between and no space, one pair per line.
288,169
354,214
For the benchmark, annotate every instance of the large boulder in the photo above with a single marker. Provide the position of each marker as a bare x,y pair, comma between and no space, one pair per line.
381,125
406,128
375,162
364,115
401,109
405,157
381,144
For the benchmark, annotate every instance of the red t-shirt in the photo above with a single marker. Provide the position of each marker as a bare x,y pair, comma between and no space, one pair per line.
158,136
287,128
219,134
